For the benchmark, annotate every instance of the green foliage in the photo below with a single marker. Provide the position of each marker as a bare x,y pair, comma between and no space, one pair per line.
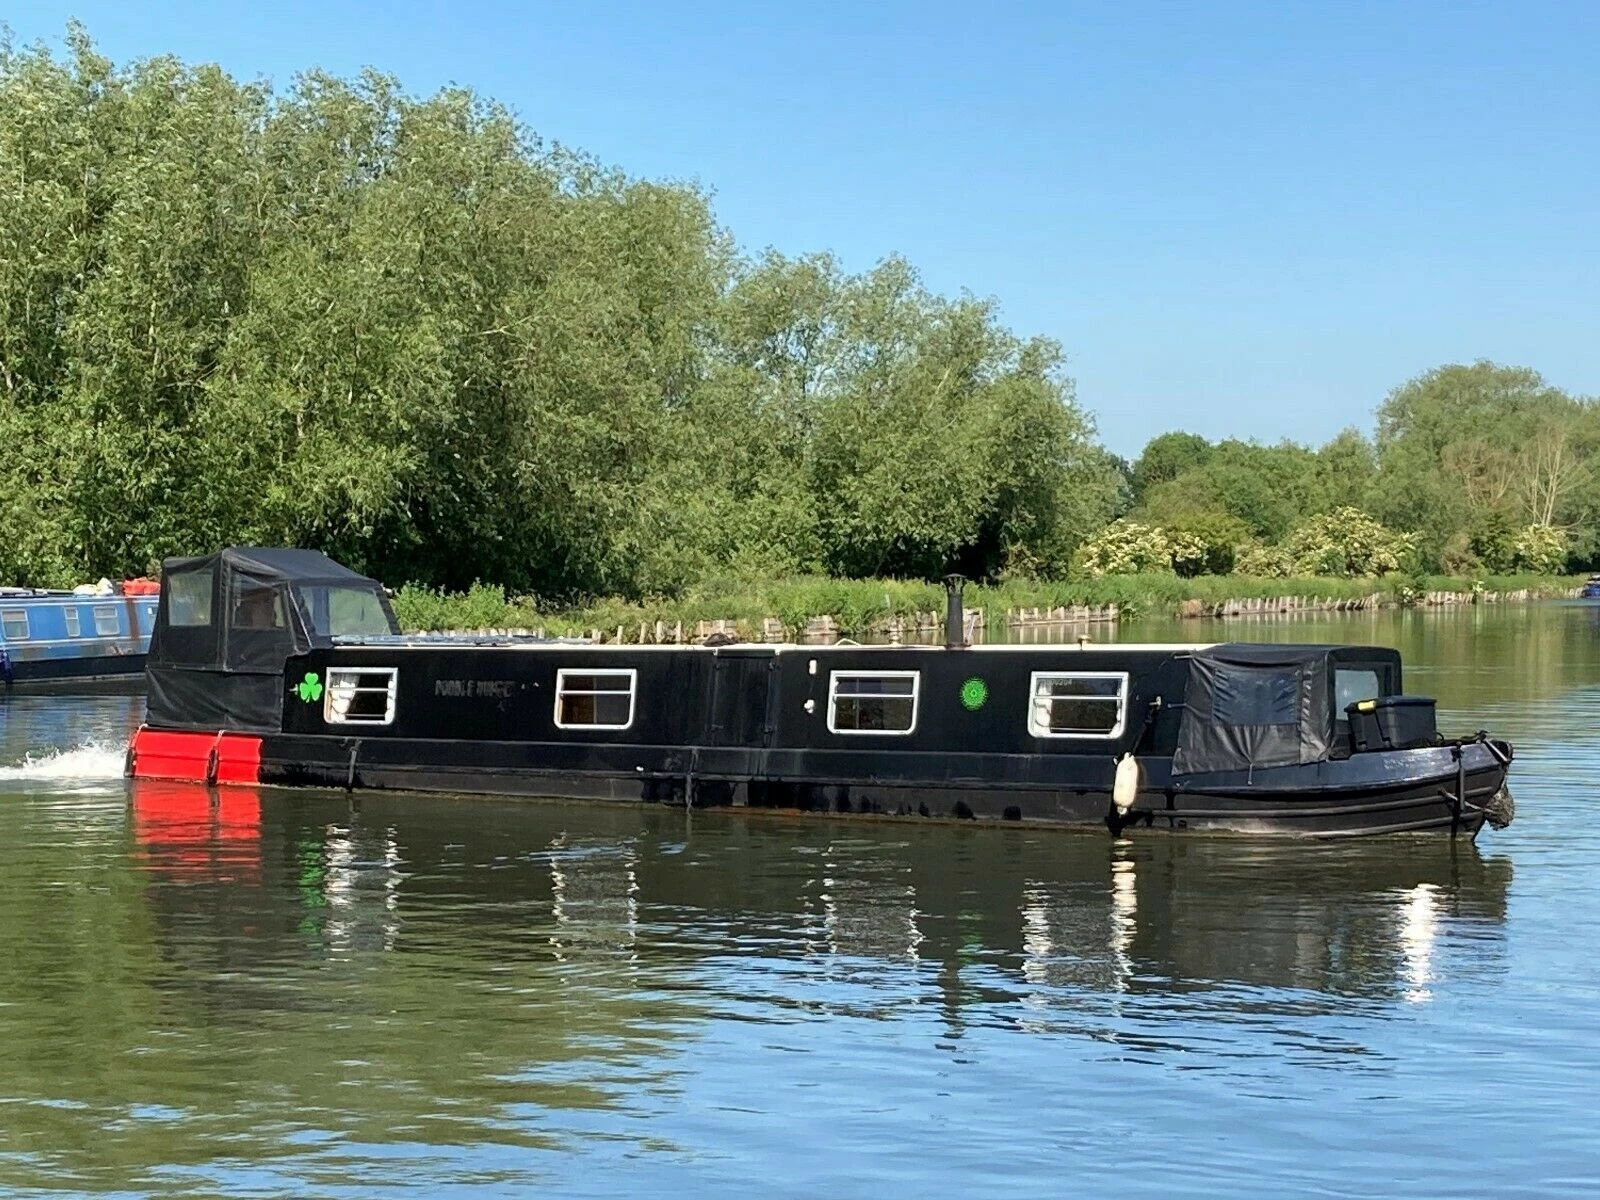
1271,489
1464,458
1539,550
1476,450
1166,457
1205,543
1346,470
1350,543
1491,539
481,607
1254,560
863,607
1125,548
407,332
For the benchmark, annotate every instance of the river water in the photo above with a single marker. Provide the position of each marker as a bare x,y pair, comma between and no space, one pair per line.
291,994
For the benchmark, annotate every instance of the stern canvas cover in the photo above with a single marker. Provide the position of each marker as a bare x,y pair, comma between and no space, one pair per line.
226,624
1255,706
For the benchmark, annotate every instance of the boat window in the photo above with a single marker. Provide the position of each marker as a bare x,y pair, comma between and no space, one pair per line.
360,696
14,624
1351,684
74,625
595,699
255,605
1090,704
873,701
189,598
105,620
337,611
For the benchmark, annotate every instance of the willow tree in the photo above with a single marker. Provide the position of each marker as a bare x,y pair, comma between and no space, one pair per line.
408,332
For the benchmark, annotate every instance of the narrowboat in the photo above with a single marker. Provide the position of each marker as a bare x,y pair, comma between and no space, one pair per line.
73,641
1590,589
283,667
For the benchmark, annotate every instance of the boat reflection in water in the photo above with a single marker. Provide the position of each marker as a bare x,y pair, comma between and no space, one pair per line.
986,919
189,835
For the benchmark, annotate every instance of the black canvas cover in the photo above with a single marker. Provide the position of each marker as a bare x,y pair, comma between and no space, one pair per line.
184,699
1251,706
228,621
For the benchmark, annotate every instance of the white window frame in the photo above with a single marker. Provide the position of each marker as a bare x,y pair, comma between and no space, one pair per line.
74,620
108,613
563,690
9,616
1038,731
391,690
833,697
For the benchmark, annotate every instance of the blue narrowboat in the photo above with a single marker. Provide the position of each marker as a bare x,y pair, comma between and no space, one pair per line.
1591,589
68,641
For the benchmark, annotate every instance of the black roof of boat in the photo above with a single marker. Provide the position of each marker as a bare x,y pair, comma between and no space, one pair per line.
273,562
1276,654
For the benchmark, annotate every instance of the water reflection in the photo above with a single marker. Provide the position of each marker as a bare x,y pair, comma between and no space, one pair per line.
360,881
602,887
1419,929
594,897
189,835
516,970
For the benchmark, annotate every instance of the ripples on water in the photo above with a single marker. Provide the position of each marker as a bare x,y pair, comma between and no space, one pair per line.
269,993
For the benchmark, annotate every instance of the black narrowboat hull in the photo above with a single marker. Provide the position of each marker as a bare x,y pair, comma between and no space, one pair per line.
1453,788
1449,789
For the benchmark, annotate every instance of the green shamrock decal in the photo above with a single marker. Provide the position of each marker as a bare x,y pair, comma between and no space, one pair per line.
974,692
309,689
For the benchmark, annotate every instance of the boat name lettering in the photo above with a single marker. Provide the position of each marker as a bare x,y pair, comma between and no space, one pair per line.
485,689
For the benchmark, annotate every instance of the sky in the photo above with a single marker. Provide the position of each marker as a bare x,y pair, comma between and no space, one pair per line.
1239,219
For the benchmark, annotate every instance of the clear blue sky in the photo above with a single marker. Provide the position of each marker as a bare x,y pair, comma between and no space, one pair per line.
1241,219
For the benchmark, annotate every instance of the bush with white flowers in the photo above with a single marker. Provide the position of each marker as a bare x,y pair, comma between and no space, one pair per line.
1347,542
1126,548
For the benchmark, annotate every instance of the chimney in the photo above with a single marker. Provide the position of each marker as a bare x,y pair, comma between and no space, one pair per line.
955,618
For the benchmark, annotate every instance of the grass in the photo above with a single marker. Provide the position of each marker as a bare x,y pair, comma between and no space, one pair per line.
860,605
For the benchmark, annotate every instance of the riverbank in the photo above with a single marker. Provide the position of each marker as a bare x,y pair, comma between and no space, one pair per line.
795,608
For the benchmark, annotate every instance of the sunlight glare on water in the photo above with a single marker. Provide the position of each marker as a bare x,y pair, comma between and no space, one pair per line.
270,993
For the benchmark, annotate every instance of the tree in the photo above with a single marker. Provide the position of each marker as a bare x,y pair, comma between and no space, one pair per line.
1551,471
1347,469
1459,441
1491,538
1206,543
1166,457
410,333
1268,488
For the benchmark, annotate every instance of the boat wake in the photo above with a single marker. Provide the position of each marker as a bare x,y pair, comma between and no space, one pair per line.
88,763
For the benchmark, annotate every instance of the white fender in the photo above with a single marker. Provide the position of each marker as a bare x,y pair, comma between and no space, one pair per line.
1126,786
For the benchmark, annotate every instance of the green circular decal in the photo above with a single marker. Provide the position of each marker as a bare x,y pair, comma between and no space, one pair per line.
973,693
